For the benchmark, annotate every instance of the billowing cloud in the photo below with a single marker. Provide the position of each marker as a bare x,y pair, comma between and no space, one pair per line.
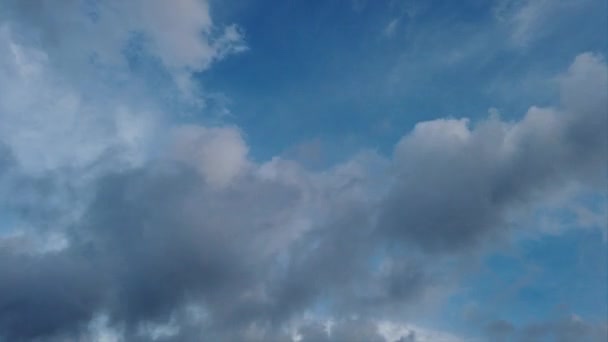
122,221
455,183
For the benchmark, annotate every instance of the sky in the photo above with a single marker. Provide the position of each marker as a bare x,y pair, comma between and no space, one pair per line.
277,171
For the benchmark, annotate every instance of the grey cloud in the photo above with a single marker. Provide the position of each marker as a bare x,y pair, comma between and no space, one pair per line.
167,238
154,242
43,201
151,241
44,296
158,239
455,183
352,330
411,337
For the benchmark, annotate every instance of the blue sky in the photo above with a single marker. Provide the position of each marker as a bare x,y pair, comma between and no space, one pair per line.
342,170
330,70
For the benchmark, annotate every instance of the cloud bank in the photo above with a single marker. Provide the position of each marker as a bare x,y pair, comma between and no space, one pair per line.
123,222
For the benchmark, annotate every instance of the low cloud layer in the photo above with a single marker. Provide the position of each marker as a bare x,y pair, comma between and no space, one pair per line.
116,212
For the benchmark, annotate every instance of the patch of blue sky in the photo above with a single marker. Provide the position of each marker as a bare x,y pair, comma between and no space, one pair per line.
554,276
8,222
328,70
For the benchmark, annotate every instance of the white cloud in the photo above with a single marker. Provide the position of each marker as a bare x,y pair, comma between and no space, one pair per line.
52,113
583,86
180,33
530,20
49,123
390,28
219,154
393,331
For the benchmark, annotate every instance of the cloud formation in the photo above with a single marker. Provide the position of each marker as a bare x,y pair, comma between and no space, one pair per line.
468,177
170,232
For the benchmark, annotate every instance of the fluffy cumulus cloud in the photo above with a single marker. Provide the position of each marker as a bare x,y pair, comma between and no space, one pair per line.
120,222
470,177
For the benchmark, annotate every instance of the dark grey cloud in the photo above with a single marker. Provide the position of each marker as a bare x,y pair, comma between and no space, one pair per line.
167,238
151,241
46,296
158,239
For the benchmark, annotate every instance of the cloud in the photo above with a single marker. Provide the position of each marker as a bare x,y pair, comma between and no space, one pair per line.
170,231
180,33
49,123
220,154
390,28
394,331
455,183
46,296
348,330
528,21
163,236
